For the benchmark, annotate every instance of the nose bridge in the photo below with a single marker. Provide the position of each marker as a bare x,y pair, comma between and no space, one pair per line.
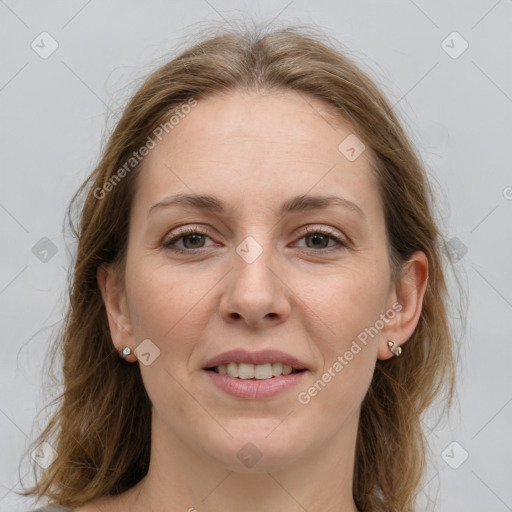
253,262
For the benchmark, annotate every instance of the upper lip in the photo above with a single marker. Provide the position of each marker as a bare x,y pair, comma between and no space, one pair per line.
260,357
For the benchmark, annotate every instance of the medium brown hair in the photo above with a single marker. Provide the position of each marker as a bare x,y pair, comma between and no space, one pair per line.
101,428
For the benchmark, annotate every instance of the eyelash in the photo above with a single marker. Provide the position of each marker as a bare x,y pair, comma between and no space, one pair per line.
196,231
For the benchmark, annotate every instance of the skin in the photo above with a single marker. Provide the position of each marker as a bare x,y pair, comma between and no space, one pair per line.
253,151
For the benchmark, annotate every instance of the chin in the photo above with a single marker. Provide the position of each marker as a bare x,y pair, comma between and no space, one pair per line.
255,451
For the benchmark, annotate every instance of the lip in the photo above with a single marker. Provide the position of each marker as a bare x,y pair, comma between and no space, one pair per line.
252,389
260,357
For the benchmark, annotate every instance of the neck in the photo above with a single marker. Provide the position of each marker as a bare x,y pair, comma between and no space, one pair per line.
190,481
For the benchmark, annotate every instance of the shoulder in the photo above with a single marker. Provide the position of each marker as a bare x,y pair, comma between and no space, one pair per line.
53,508
114,503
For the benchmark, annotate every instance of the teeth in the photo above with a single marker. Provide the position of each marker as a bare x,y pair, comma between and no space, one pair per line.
254,371
263,371
277,369
233,370
246,371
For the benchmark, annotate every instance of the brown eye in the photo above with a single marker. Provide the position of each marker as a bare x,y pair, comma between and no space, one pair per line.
318,240
195,240
321,240
187,240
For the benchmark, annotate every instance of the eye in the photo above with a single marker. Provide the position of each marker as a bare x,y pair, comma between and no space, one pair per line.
319,239
190,239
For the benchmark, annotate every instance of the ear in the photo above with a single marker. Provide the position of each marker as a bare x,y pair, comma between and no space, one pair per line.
114,298
407,299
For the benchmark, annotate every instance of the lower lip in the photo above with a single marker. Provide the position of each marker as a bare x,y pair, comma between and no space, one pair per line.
253,389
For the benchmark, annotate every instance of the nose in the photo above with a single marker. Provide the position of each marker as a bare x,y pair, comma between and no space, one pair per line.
255,292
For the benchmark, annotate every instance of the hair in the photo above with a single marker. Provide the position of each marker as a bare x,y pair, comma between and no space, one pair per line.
101,426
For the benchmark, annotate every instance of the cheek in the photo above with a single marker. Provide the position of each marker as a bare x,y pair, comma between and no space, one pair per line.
335,397
161,301
350,307
349,302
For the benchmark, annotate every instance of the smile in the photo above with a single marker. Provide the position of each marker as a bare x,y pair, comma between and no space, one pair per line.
254,371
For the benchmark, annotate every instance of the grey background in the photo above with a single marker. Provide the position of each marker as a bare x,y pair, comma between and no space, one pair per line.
54,117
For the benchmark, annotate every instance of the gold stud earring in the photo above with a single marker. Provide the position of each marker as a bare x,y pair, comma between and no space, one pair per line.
394,348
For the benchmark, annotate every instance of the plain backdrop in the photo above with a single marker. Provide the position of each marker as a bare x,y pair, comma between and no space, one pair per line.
67,68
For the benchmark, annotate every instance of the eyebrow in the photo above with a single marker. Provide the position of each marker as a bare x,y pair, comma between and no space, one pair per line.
294,205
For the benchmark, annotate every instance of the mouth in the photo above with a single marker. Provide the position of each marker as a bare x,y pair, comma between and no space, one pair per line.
248,371
254,381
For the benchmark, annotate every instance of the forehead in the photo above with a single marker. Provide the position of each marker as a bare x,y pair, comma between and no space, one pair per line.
261,145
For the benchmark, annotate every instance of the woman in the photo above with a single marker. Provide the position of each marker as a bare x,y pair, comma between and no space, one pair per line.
258,311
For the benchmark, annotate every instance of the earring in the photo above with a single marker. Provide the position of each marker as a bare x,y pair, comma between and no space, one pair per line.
393,347
127,355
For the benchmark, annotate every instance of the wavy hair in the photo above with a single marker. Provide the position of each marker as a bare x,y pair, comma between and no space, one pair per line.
101,426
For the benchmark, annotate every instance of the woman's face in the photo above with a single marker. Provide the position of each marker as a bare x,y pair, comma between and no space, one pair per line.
265,277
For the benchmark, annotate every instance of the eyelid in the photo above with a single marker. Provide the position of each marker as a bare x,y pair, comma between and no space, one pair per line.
311,229
185,230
